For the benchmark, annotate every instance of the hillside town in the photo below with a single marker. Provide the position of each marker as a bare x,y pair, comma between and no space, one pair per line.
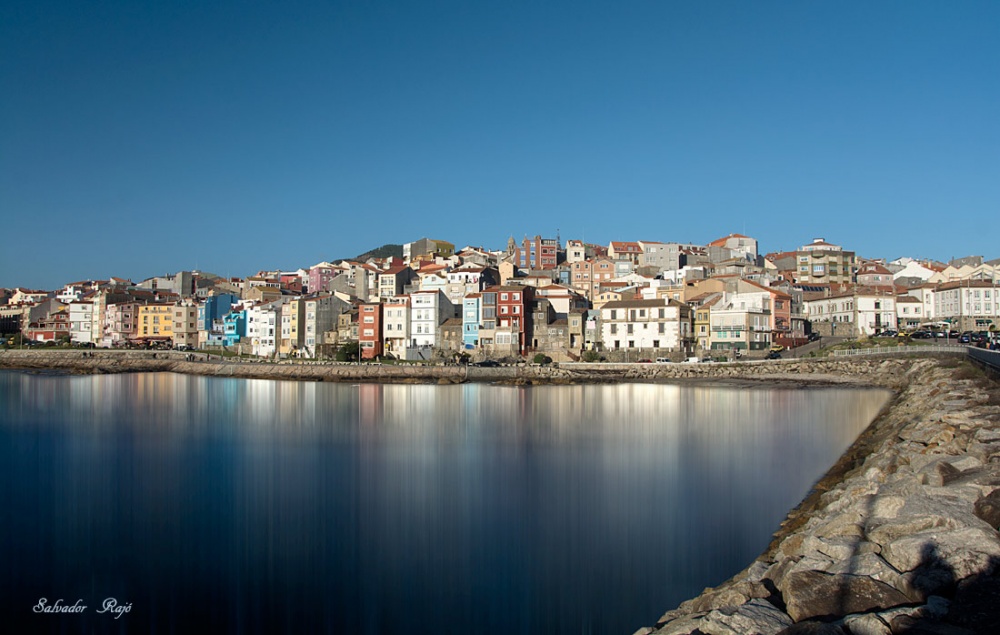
624,301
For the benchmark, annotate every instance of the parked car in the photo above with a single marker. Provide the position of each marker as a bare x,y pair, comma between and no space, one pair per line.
487,363
812,337
922,335
774,355
889,333
965,338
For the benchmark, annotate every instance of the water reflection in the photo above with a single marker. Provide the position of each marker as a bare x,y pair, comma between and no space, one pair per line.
258,506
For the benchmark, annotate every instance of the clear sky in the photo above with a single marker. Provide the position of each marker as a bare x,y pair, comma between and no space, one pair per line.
139,138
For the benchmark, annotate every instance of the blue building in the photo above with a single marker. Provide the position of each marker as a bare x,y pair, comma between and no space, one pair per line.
470,320
234,327
214,308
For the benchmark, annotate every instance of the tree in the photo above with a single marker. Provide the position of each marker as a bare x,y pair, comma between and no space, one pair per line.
349,352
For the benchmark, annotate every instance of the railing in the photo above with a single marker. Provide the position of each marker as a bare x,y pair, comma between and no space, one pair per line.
902,350
983,356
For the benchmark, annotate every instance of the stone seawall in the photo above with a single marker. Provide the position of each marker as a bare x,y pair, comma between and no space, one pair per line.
867,371
900,536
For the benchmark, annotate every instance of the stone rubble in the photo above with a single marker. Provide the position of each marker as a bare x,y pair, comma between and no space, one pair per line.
903,539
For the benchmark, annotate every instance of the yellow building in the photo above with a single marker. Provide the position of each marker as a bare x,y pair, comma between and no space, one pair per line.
292,327
607,296
155,320
703,320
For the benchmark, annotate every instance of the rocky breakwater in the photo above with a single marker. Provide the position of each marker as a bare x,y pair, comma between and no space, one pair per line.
900,537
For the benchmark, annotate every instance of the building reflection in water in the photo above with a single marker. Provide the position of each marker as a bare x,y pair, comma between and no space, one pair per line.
268,506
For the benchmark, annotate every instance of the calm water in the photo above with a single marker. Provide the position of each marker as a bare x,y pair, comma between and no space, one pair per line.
251,506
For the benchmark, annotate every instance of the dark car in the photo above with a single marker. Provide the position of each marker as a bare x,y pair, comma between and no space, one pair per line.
774,355
487,363
812,337
922,335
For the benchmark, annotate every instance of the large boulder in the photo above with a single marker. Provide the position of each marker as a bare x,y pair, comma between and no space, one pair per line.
987,508
961,553
756,617
811,594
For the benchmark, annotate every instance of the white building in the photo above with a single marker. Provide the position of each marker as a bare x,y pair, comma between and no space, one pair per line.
909,312
463,281
741,321
575,251
861,311
263,328
81,322
970,305
925,294
913,269
396,326
984,272
428,310
654,325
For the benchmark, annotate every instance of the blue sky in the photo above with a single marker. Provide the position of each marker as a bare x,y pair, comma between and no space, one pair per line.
140,138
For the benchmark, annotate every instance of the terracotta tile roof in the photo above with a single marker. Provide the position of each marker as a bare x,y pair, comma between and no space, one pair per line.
721,242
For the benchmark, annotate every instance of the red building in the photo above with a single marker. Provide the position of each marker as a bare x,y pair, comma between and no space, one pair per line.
535,253
513,314
370,330
51,327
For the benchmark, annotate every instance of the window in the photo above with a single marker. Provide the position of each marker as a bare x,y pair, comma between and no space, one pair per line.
503,296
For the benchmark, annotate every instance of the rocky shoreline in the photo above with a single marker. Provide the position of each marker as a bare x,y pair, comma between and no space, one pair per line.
900,536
